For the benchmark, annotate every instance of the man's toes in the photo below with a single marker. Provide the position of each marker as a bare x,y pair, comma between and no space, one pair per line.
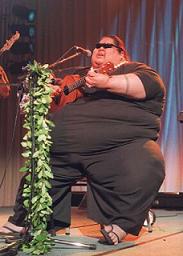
114,238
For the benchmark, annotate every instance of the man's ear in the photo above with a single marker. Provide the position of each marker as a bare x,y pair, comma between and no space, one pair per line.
122,55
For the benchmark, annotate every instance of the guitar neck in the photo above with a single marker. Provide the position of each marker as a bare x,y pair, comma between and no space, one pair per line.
72,87
9,43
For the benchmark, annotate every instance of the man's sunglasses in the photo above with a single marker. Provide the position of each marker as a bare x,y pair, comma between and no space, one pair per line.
105,46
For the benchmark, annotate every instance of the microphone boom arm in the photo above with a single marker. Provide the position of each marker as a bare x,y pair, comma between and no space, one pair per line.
65,59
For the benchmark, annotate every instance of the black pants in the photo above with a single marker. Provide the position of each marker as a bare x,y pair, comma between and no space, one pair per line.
19,211
122,185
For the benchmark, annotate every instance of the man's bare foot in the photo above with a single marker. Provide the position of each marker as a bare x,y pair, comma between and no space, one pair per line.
9,228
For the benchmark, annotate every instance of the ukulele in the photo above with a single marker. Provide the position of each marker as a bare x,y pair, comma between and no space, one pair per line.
10,42
70,87
107,68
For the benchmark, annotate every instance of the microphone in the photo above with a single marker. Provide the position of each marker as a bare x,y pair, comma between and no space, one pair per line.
82,50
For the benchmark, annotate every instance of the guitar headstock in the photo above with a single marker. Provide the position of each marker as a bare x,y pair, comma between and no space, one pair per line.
10,42
107,68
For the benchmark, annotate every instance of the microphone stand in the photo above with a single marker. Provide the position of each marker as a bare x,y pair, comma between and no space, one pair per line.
10,84
65,59
15,241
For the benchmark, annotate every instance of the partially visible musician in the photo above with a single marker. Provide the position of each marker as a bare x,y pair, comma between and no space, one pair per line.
4,89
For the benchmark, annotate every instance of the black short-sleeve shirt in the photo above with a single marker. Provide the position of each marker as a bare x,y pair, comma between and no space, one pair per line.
101,120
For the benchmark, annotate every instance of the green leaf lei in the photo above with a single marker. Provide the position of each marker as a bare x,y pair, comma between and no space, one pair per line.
36,144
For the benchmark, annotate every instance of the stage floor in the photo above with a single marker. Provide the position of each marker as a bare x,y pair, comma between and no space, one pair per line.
165,240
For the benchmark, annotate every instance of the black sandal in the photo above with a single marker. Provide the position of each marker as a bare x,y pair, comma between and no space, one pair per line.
105,234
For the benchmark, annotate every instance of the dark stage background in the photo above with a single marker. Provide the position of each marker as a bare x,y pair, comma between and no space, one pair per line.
153,33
